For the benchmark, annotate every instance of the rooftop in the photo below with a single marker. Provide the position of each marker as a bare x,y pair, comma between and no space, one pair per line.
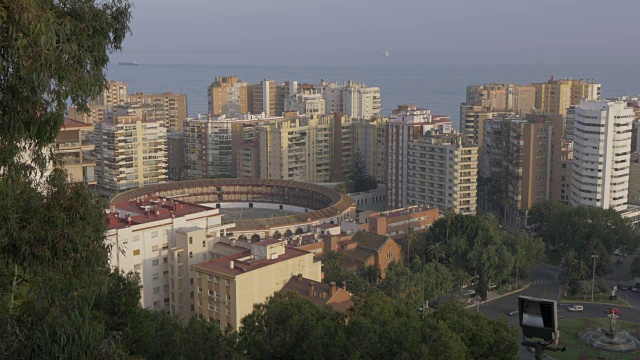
244,262
70,123
148,210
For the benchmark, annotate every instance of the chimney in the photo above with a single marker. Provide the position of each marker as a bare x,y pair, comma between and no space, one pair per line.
231,264
129,221
344,285
171,214
312,288
299,277
333,287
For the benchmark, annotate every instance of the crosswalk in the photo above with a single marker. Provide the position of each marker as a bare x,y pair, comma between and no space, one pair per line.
610,283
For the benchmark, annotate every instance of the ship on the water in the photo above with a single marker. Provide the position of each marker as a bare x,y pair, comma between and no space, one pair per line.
128,63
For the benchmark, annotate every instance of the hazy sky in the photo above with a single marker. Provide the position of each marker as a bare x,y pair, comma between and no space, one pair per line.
290,32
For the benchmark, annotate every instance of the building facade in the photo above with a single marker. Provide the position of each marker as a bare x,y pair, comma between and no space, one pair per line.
354,100
114,94
171,109
443,173
228,96
75,151
557,95
601,154
131,152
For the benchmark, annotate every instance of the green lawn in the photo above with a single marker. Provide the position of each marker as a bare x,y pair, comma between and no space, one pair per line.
569,329
597,298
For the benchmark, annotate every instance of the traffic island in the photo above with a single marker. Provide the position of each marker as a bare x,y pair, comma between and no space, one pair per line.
572,329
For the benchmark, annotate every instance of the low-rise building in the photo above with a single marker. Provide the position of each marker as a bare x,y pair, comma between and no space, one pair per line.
227,288
75,151
363,249
399,221
321,294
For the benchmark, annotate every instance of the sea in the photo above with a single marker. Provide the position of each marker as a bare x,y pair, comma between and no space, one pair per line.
440,88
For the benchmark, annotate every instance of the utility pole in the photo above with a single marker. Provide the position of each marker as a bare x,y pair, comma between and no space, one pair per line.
593,279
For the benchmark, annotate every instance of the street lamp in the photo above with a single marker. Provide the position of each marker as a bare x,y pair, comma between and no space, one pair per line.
593,279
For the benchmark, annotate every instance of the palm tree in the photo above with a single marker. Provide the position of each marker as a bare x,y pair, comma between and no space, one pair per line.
332,260
436,252
371,274
411,238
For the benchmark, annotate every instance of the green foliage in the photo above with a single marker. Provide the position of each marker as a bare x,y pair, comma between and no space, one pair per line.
416,284
52,52
635,267
290,327
359,178
528,252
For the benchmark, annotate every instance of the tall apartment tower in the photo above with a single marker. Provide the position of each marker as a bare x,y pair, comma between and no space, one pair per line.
131,152
114,94
269,97
75,151
443,173
354,100
175,155
173,107
228,96
487,101
369,137
297,148
96,114
406,124
207,147
601,154
556,95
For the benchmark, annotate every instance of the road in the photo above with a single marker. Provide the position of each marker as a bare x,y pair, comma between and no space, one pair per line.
545,285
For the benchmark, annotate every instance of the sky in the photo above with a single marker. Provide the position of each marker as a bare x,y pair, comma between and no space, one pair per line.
351,32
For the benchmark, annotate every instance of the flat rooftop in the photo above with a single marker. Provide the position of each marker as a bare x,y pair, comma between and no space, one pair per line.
148,210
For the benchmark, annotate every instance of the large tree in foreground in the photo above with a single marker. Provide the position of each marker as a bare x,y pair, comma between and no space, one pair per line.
53,258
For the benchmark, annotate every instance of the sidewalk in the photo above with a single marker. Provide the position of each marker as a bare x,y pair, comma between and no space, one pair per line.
497,295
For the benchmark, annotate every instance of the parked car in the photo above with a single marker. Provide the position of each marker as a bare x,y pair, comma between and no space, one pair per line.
492,286
622,287
634,289
513,312
576,308
469,292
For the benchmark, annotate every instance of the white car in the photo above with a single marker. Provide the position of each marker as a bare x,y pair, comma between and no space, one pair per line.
469,292
576,308
492,286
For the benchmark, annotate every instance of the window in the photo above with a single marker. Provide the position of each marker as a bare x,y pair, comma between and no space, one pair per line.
191,281
136,267
154,248
154,234
390,255
193,308
156,290
136,252
228,312
156,276
228,297
200,290
165,246
165,273
204,243
198,274
156,303
166,300
210,292
228,282
192,294
217,308
191,268
210,306
155,262
218,294
209,278
190,240
199,303
190,254
166,288
165,260
217,279
204,257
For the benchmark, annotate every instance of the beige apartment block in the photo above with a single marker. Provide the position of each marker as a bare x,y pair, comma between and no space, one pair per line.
269,97
228,96
96,114
510,98
75,151
406,124
472,118
443,173
369,137
561,172
114,94
131,152
297,148
171,109
556,95
227,288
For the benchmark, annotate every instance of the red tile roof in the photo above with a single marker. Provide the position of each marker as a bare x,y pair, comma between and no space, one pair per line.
137,211
222,265
70,123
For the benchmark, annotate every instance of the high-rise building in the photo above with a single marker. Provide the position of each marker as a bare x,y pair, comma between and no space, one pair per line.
601,154
75,151
96,114
556,95
114,94
131,152
634,179
369,137
443,172
518,164
269,97
227,288
228,96
354,100
175,156
561,172
171,109
509,98
406,124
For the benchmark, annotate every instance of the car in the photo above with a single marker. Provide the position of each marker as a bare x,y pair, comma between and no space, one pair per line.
612,311
634,289
513,312
576,308
469,292
492,286
622,287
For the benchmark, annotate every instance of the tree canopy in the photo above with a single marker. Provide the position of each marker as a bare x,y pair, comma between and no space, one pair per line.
359,178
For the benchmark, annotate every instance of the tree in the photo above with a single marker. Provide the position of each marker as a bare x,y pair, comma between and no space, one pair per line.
635,267
291,327
53,258
436,252
411,238
359,178
528,252
370,273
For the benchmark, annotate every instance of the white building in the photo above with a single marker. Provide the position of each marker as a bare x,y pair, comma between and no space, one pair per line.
162,239
354,100
601,154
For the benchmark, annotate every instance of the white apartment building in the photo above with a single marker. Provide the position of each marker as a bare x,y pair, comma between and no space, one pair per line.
443,173
354,100
601,154
406,124
131,152
162,240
